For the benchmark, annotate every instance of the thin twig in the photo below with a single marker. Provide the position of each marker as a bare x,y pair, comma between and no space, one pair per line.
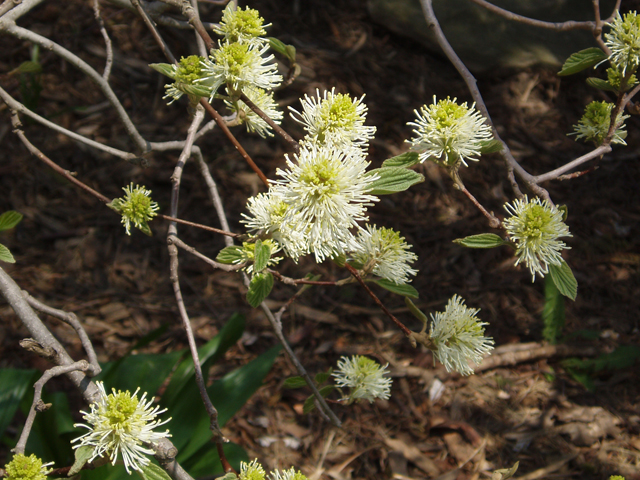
212,190
15,105
616,9
38,405
494,222
175,279
221,123
202,48
213,263
71,319
277,128
200,226
299,281
553,174
24,34
8,5
558,26
154,31
358,278
107,40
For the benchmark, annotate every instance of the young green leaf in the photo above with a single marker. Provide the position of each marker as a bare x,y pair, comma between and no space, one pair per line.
260,286
582,60
9,220
82,454
322,377
601,84
483,240
229,255
261,256
28,67
405,160
294,382
415,311
310,403
392,180
5,255
405,289
565,281
490,146
553,313
277,45
165,69
153,472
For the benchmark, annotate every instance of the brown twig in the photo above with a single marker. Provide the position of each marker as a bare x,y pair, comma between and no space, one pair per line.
277,128
221,266
358,278
107,41
299,281
494,222
200,226
154,31
221,123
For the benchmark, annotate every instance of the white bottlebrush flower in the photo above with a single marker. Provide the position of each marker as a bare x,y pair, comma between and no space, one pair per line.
334,119
251,471
264,101
239,65
624,41
325,190
447,133
594,124
22,467
458,337
364,377
188,77
290,474
267,214
121,423
242,26
135,207
384,252
535,226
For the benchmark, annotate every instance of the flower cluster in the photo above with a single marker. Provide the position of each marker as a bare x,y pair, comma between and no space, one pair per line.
135,207
535,226
624,42
449,133
254,471
121,423
385,253
322,194
22,467
364,377
458,337
594,124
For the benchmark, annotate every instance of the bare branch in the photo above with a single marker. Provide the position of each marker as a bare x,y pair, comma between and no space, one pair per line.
601,150
154,31
277,128
212,189
213,263
107,40
71,319
38,405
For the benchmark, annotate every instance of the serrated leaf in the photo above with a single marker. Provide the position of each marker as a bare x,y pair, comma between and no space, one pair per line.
553,312
261,256
405,290
5,255
229,255
9,220
260,286
582,60
82,456
490,146
404,160
165,69
153,472
483,240
565,281
601,84
322,377
310,403
294,382
392,180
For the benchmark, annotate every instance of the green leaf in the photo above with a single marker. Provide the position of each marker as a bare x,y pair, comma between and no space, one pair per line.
261,256
340,260
405,290
322,377
9,220
415,311
229,255
153,472
260,286
165,69
82,456
581,377
565,281
294,382
28,67
582,60
310,403
404,160
490,146
601,84
145,228
288,51
5,255
291,53
16,384
553,312
196,90
622,357
483,240
393,180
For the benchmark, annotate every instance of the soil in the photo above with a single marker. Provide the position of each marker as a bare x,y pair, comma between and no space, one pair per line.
72,252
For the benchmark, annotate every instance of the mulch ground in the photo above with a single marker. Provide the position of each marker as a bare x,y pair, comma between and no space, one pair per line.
72,253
